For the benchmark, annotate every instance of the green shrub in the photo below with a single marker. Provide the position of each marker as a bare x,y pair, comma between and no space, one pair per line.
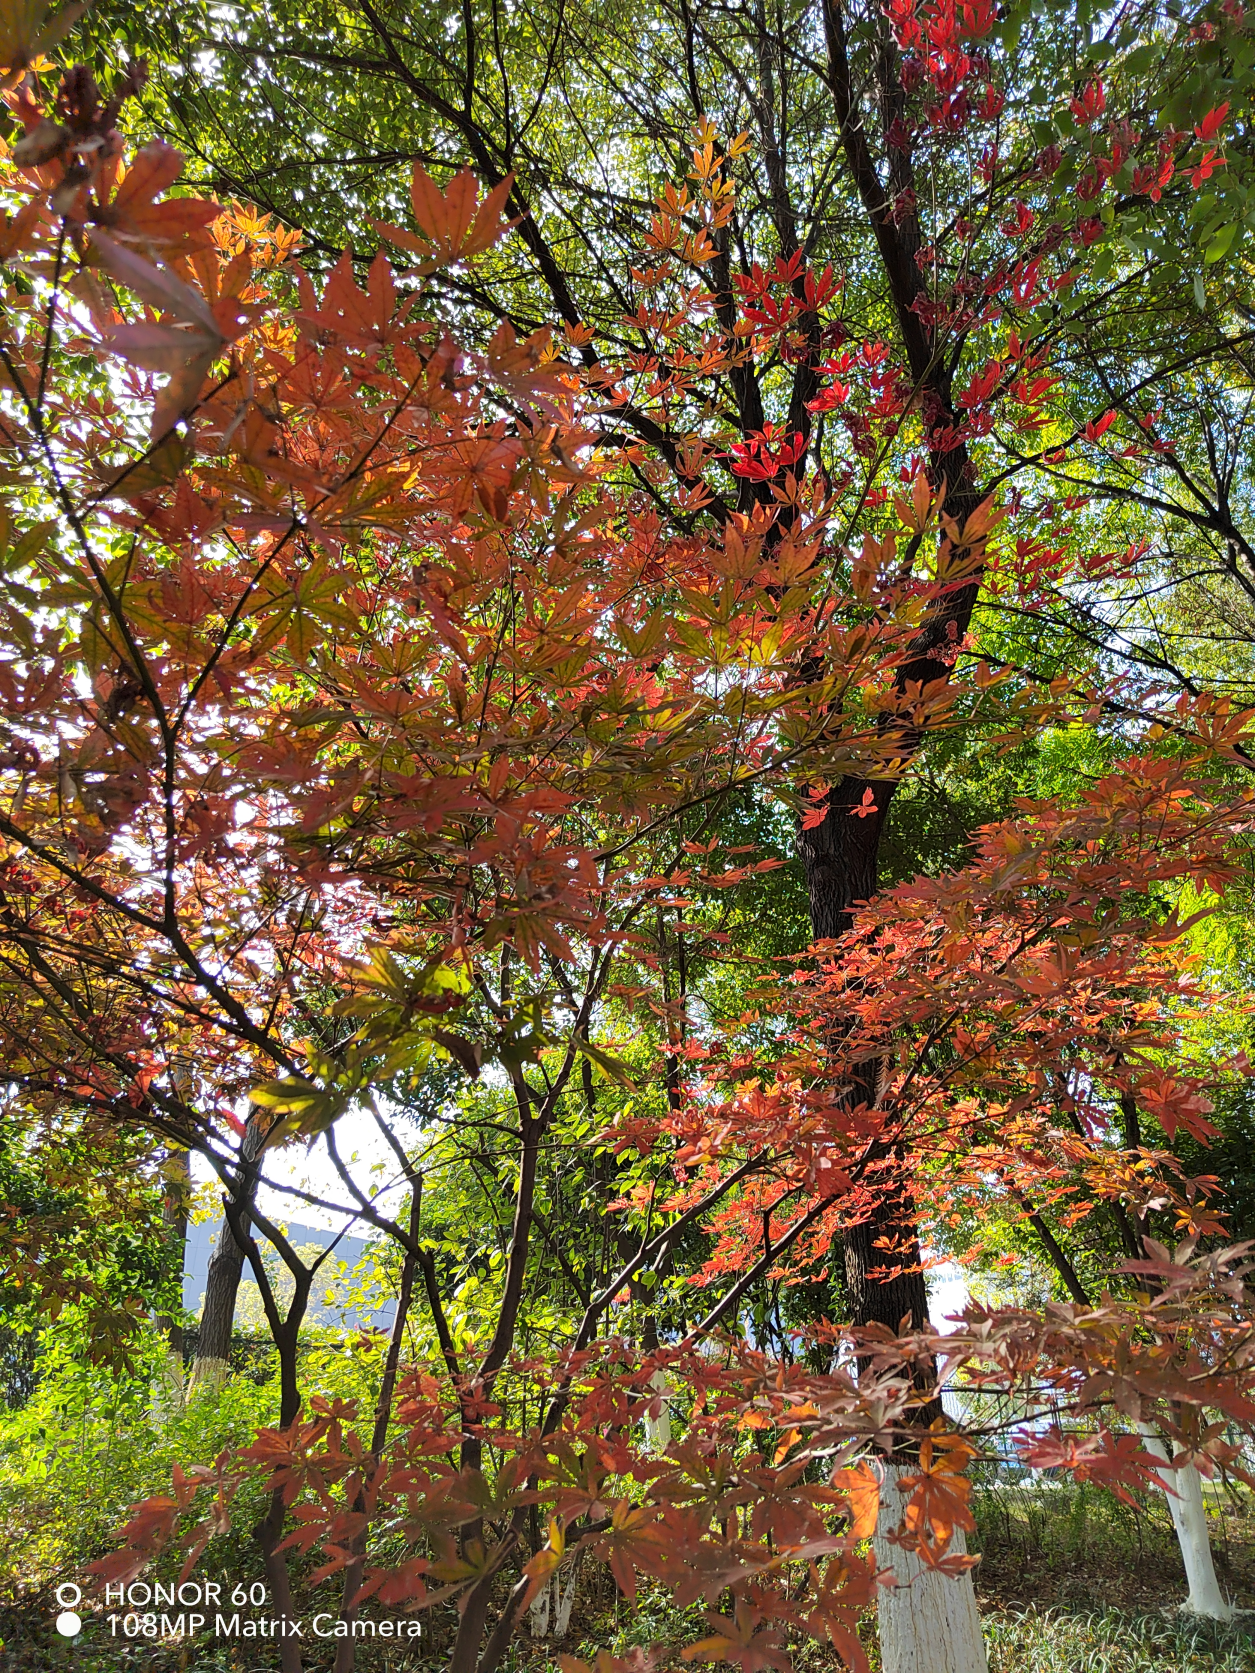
90,1443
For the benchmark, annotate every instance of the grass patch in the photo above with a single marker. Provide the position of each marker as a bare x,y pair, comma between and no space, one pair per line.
1115,1641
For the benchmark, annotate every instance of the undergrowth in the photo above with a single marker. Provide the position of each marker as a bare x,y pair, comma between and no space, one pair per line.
1115,1641
1070,1579
1055,1544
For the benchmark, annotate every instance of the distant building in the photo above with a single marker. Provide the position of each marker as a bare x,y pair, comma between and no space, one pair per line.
326,1306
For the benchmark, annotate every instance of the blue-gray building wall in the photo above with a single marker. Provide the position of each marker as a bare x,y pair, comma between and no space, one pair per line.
202,1240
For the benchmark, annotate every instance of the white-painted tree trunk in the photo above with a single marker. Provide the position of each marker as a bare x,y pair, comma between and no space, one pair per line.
1184,1491
564,1599
208,1376
658,1429
929,1623
554,1603
538,1611
170,1393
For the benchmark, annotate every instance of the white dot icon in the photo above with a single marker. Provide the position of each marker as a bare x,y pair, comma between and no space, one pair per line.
68,1623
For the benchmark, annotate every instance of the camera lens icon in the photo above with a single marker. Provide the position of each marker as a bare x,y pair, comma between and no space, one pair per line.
69,1623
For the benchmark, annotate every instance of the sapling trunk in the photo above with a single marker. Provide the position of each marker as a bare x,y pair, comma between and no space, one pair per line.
553,1604
475,1650
564,1597
269,1531
346,1649
285,1330
658,1429
1184,1491
1183,1488
171,1383
174,1214
539,1611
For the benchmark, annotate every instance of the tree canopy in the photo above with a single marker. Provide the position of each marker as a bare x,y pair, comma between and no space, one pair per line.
654,601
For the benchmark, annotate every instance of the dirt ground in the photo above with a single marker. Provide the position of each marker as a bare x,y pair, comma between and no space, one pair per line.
1083,1549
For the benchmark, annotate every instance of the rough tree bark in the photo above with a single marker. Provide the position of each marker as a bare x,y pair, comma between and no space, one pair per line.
222,1282
930,1624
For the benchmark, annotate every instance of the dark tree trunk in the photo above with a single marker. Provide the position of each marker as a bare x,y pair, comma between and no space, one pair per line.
269,1534
221,1287
285,1333
346,1649
840,856
222,1282
897,1296
883,1272
839,859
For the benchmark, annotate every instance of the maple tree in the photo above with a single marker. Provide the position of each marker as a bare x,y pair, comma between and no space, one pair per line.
372,698
160,937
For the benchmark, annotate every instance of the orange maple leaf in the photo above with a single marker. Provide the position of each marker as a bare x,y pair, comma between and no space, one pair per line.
861,1488
453,224
135,210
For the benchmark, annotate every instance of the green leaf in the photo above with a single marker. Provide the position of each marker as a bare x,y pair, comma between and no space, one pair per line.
1221,242
606,1061
308,1108
640,641
286,1095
